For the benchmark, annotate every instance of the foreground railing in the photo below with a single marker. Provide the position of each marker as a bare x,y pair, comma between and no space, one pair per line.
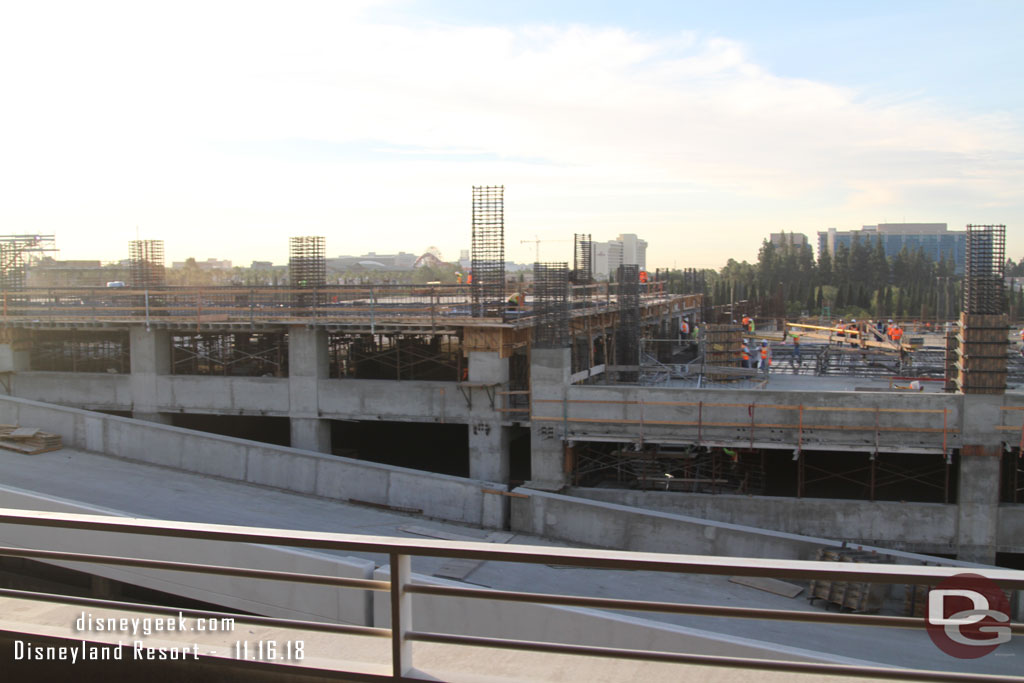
400,552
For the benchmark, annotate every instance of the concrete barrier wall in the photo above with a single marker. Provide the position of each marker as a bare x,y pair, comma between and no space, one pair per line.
607,525
97,391
270,598
917,527
436,495
672,415
574,625
237,395
405,401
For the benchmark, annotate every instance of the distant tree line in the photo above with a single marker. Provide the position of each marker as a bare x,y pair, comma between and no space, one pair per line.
860,281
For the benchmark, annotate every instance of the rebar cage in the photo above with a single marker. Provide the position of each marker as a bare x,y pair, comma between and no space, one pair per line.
551,305
146,264
984,288
488,252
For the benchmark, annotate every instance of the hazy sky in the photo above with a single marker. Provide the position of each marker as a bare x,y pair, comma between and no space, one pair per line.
225,128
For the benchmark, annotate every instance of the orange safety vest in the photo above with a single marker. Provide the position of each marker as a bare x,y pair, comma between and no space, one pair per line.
897,333
746,353
746,321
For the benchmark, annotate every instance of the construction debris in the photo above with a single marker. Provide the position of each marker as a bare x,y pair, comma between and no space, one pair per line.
28,440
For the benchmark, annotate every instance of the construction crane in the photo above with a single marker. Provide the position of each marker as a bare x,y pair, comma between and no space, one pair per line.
537,240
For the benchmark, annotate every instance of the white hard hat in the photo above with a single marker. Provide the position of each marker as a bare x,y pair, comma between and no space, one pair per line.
764,342
854,320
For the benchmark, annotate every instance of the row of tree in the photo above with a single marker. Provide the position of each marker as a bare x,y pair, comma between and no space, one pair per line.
861,280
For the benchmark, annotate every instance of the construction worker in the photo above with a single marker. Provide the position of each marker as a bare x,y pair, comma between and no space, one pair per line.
794,360
745,355
766,357
516,300
684,329
897,333
746,322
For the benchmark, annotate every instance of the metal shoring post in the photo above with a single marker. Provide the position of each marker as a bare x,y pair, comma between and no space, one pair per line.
373,312
642,410
252,304
750,409
874,458
146,294
946,454
401,615
700,422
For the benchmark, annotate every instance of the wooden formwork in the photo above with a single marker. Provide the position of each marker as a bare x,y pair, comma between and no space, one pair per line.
723,346
981,366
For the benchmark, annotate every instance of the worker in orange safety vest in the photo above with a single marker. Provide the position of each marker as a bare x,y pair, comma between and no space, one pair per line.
745,355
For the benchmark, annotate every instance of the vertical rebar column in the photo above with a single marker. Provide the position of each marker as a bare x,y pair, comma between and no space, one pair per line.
551,305
488,251
627,342
984,288
307,268
583,261
982,362
146,264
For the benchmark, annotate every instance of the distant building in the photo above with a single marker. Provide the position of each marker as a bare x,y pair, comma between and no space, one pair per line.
796,239
935,239
628,249
48,272
399,261
208,264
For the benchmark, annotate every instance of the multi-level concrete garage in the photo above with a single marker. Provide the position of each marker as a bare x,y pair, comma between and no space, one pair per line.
409,376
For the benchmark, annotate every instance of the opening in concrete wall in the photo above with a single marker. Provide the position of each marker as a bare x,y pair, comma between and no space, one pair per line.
519,455
275,430
431,447
1010,560
815,474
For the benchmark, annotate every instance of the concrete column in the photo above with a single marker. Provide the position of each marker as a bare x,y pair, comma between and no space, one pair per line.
549,379
978,503
308,363
488,440
978,483
151,358
14,357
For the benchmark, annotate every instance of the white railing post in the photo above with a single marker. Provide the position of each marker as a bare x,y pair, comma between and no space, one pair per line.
401,615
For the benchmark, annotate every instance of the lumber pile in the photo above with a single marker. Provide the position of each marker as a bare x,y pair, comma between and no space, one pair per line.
856,596
28,440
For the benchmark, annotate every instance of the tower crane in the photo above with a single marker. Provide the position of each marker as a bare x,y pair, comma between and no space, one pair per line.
537,240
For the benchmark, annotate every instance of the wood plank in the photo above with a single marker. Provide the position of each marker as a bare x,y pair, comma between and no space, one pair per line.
23,433
783,588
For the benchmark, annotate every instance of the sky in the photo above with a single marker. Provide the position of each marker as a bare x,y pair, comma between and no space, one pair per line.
223,128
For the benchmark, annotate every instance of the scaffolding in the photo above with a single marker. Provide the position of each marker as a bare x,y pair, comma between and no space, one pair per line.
247,354
146,264
16,254
74,350
488,251
583,260
551,305
432,357
984,288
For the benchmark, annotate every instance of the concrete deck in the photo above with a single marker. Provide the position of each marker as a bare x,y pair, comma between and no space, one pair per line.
149,491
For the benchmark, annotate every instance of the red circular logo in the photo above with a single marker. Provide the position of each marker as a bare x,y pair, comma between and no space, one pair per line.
967,616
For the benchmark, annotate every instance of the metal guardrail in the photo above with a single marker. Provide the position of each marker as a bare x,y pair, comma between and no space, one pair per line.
401,588
247,304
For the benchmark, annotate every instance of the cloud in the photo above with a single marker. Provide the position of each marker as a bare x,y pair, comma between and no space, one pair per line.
147,107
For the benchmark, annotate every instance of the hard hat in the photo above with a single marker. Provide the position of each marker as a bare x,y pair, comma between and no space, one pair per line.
854,320
745,341
764,342
890,319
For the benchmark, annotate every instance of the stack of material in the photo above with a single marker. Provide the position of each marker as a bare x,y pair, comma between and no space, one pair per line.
28,440
723,347
857,596
981,366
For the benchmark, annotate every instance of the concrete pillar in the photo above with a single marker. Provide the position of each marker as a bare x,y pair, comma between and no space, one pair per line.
14,357
978,483
549,379
488,439
151,358
978,503
308,363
